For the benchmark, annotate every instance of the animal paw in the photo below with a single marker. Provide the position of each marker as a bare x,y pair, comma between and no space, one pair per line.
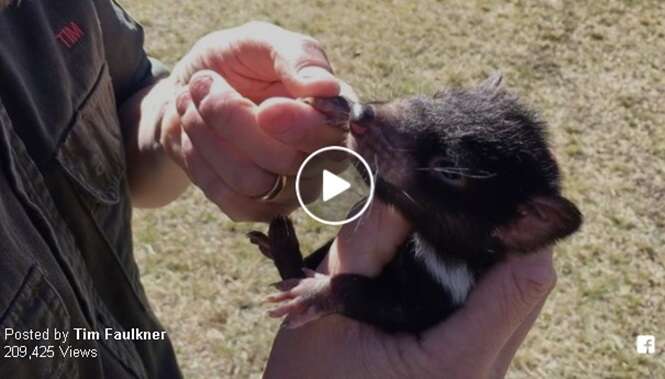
303,300
281,239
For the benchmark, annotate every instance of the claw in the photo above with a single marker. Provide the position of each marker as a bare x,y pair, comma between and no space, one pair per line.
262,241
279,297
287,284
295,306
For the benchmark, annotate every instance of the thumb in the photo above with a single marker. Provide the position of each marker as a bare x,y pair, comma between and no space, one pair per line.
506,297
303,67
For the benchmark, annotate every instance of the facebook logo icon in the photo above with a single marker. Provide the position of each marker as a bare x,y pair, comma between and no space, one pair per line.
646,344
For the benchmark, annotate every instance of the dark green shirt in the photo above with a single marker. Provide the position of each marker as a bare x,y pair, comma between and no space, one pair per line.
66,261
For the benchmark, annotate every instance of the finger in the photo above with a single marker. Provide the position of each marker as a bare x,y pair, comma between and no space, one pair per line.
233,118
301,64
332,160
169,137
347,91
310,182
502,301
309,188
506,355
366,245
236,207
198,170
234,167
257,90
297,124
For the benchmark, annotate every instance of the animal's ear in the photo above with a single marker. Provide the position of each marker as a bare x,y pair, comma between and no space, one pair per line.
542,221
493,82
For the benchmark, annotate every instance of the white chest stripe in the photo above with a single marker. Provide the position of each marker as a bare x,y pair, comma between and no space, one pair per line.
456,278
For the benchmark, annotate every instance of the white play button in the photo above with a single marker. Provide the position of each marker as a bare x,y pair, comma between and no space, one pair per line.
333,185
344,194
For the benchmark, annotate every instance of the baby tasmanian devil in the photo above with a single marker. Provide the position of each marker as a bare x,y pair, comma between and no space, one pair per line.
470,169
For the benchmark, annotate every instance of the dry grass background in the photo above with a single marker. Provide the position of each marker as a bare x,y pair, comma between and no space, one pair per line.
596,70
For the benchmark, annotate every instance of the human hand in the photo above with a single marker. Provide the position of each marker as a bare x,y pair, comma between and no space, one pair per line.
477,341
234,124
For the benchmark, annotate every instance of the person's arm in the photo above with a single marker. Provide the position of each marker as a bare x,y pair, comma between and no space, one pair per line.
477,341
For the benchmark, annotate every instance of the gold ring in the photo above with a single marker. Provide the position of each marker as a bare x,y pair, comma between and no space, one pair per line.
277,187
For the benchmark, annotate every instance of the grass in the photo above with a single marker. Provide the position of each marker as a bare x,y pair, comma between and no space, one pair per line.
595,71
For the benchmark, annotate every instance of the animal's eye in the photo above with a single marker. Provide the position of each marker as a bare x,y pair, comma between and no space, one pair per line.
450,176
447,172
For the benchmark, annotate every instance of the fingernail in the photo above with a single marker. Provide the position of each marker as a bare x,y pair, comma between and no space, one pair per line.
199,87
315,73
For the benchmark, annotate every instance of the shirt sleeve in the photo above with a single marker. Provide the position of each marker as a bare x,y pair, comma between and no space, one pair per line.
130,67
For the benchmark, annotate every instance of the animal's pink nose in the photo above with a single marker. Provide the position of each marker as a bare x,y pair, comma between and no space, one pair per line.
358,129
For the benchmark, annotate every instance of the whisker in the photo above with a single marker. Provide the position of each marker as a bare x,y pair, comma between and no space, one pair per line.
376,176
459,171
362,219
410,198
368,214
404,149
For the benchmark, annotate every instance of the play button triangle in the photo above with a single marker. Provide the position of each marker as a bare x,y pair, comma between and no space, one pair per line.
350,186
333,185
